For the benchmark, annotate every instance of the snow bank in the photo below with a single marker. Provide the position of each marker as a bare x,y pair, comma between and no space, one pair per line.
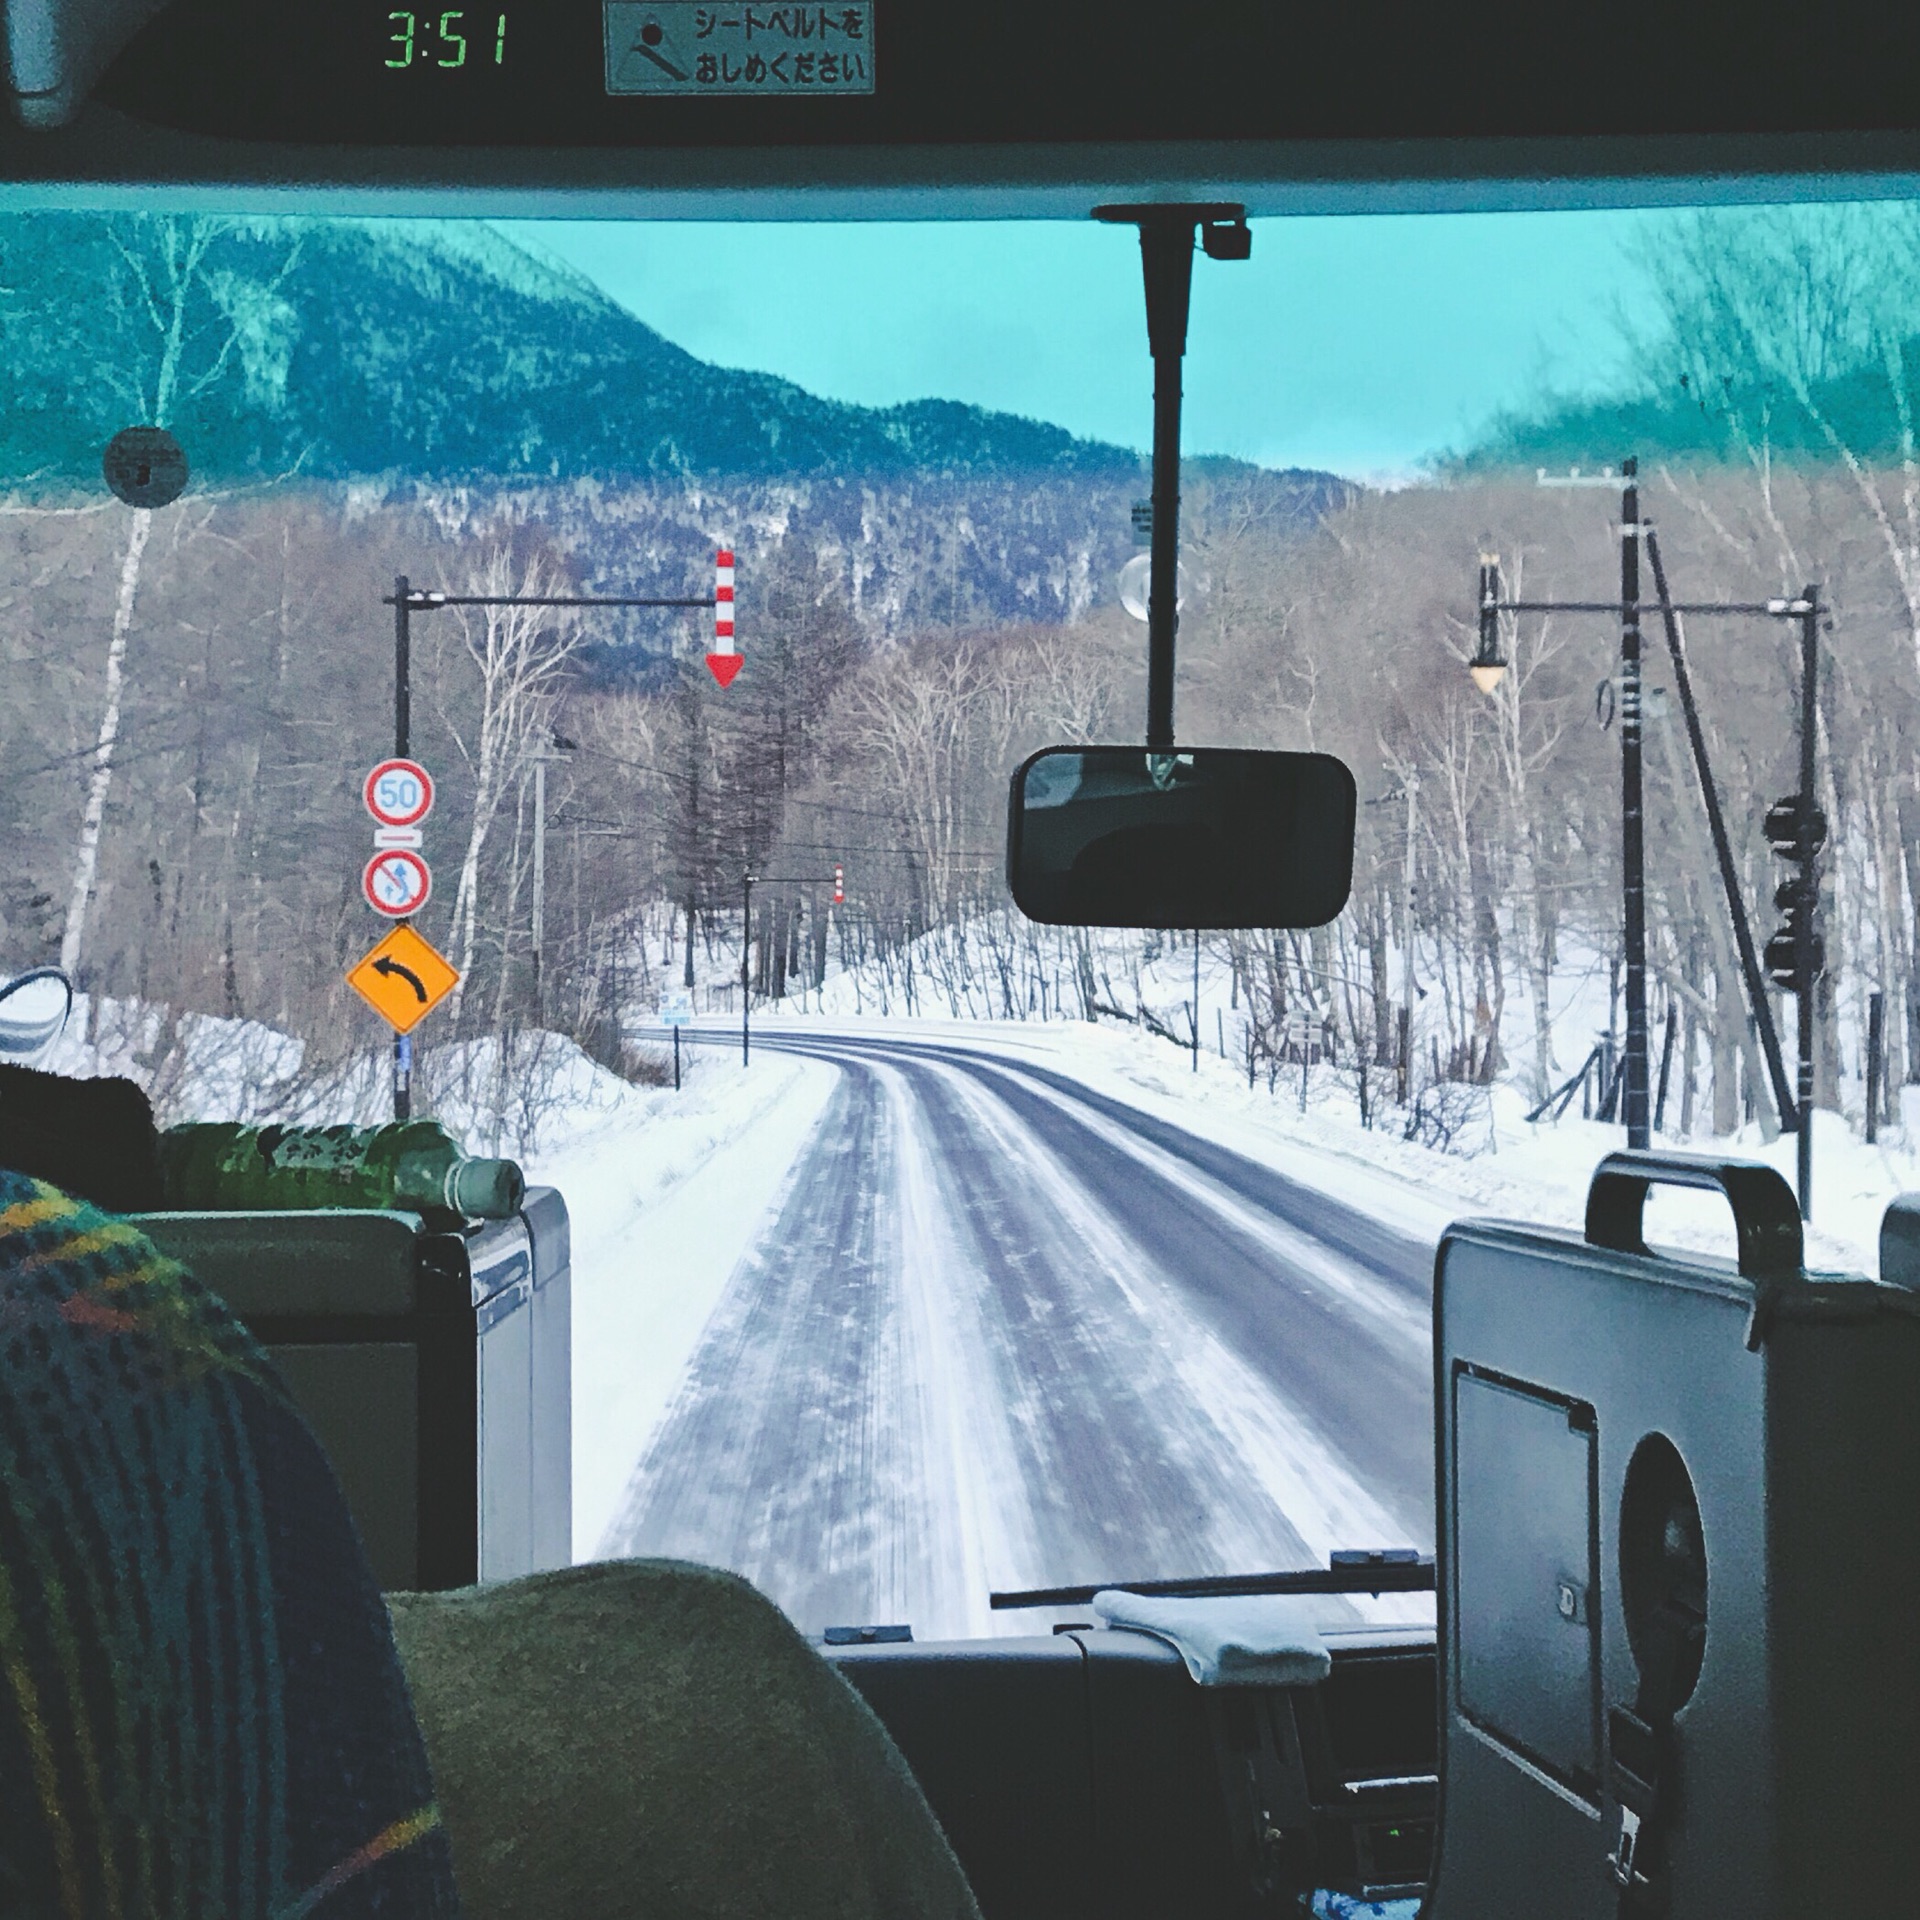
666,1200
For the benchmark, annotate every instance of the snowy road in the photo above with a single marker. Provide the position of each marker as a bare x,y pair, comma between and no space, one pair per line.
1001,1331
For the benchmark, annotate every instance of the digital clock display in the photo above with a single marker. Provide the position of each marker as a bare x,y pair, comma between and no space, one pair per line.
461,38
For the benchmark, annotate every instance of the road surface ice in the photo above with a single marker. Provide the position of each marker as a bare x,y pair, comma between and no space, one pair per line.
986,1329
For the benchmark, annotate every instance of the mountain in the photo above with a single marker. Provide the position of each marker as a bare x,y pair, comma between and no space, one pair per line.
406,357
437,348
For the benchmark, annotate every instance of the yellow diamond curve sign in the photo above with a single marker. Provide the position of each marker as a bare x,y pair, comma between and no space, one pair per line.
403,979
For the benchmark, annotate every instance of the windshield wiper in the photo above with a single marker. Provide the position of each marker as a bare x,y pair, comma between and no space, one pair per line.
1349,1570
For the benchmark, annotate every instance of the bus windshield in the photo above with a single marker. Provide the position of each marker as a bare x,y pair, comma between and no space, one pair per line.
923,1252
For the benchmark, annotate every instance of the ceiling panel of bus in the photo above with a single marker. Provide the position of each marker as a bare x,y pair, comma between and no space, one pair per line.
953,108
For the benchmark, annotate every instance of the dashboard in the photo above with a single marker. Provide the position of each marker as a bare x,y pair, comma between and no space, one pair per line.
1084,1776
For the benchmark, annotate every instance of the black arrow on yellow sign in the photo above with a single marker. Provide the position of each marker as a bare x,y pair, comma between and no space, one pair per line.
403,979
393,968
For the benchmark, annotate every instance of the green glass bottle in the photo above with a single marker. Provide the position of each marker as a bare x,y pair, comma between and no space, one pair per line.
415,1166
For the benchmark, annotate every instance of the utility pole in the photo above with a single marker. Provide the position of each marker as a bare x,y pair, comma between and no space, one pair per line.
746,978
539,883
1404,1039
1633,845
1766,1030
556,748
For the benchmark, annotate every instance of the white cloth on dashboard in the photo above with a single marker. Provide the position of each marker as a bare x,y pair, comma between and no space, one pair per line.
1238,1640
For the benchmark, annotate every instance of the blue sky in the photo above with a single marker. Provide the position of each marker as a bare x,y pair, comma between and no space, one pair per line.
1360,344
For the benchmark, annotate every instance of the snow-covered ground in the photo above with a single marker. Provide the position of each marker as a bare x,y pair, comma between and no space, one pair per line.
992,1337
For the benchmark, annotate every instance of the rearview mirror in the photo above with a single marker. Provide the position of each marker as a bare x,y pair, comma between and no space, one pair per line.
1203,837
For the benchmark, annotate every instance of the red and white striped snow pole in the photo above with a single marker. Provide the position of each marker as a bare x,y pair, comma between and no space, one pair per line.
724,661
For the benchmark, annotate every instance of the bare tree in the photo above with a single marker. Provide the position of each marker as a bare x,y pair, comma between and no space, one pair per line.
1529,721
1799,321
521,653
182,326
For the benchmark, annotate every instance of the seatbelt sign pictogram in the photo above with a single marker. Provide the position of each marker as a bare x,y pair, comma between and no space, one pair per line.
403,979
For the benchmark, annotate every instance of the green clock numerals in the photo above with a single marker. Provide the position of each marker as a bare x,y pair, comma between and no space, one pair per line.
453,43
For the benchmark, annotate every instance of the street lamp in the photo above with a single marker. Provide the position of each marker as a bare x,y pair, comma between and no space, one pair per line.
1487,669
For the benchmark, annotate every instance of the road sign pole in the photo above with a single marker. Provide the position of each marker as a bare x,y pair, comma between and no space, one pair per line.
402,668
676,1059
405,602
746,932
402,746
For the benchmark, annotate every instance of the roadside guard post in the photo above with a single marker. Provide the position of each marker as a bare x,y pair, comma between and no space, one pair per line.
1676,1545
677,1012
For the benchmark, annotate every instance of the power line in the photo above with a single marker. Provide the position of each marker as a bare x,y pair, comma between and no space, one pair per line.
796,802
121,757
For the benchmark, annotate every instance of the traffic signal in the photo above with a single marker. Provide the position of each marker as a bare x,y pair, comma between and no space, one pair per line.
839,886
1797,896
1783,828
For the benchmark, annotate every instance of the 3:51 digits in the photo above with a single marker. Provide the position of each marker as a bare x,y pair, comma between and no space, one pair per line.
412,30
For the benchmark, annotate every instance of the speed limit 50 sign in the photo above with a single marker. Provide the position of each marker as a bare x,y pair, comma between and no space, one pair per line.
399,793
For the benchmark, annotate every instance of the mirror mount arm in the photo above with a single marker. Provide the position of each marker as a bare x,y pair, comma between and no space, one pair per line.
1166,256
1166,253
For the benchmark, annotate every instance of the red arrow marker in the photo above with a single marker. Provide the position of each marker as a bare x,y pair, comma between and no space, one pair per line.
724,661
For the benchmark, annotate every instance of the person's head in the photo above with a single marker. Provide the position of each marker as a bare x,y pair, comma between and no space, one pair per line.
33,1013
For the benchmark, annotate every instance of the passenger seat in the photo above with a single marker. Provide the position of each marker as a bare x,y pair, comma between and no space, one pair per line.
651,1740
202,1711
